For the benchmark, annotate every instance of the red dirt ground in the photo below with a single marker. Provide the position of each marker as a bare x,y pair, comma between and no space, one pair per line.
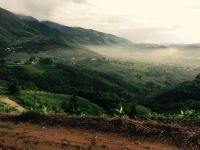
27,136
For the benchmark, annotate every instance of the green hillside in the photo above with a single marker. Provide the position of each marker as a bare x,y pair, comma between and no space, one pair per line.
13,32
102,89
88,36
23,33
182,97
49,57
54,103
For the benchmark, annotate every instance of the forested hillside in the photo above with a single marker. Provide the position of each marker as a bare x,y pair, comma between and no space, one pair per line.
182,97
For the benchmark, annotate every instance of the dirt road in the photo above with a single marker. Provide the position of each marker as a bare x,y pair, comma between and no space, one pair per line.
12,103
26,136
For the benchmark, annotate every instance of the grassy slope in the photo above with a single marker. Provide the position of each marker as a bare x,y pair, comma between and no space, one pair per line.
54,102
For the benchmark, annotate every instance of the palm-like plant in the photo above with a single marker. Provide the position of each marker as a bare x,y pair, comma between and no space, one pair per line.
120,110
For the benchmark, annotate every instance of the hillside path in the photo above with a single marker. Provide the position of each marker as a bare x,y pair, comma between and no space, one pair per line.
12,103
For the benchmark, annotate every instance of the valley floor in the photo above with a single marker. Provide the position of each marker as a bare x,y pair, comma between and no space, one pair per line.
21,136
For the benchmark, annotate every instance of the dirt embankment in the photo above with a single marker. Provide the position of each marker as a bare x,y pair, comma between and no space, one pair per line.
61,132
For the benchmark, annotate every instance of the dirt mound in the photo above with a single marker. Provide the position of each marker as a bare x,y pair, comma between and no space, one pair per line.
175,134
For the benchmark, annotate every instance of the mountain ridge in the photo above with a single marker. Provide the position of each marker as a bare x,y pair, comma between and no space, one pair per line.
29,33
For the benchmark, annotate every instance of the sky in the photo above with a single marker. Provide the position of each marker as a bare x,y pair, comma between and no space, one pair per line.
149,21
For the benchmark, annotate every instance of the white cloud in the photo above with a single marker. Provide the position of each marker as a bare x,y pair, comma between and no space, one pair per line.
140,20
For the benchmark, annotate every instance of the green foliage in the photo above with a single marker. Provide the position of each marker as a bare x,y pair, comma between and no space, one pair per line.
131,109
3,87
102,89
120,111
71,106
182,116
30,114
2,62
182,97
13,89
185,116
46,61
45,110
6,108
56,103
142,111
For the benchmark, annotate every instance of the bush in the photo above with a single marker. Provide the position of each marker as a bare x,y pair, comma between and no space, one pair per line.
46,61
142,111
12,88
30,114
71,106
130,109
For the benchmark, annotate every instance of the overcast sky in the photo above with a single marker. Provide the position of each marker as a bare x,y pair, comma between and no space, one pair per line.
153,21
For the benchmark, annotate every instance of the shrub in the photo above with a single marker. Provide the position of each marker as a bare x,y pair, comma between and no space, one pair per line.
120,111
46,61
12,88
131,110
30,114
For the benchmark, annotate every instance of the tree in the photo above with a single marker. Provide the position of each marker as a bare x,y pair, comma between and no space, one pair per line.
2,62
46,61
198,77
32,59
12,88
71,106
74,106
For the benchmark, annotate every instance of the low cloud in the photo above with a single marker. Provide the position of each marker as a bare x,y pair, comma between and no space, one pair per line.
37,8
138,20
80,1
151,34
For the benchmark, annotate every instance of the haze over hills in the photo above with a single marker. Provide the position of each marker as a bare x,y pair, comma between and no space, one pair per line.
28,32
111,59
62,69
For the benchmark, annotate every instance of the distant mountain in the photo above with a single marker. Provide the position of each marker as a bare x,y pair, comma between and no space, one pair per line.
30,18
13,32
88,36
184,96
186,46
149,46
28,33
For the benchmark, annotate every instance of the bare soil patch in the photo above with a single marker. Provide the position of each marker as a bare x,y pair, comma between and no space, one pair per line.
88,133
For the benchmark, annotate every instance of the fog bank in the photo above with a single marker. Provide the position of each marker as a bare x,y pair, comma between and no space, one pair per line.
170,55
